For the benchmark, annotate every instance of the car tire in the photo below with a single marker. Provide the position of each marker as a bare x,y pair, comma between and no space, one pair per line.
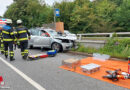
31,47
56,46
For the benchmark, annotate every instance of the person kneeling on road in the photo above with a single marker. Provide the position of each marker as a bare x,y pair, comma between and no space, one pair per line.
23,35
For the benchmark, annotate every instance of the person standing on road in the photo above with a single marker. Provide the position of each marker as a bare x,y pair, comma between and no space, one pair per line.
8,39
1,41
23,36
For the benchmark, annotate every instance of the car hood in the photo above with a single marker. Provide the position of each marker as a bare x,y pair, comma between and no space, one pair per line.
66,37
60,37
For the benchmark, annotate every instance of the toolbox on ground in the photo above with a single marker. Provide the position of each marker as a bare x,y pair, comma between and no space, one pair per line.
90,68
51,53
71,63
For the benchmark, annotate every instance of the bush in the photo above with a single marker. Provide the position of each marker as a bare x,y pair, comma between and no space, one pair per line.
85,49
119,48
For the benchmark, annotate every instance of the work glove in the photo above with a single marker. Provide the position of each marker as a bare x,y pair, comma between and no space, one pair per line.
29,38
15,42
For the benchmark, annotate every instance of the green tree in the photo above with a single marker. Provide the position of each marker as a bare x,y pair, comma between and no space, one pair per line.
104,22
105,9
117,2
82,18
122,15
32,12
66,9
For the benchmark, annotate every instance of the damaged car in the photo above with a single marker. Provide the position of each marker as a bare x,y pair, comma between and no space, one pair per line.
48,38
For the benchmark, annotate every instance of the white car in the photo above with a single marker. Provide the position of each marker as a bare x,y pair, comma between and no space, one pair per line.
69,35
48,38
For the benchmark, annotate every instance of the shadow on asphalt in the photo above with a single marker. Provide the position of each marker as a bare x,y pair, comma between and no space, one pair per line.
45,49
42,50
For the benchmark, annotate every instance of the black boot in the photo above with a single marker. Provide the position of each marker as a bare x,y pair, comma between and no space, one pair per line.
22,57
25,56
6,56
12,58
2,52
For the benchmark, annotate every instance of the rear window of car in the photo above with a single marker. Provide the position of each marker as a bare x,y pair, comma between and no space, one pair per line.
34,32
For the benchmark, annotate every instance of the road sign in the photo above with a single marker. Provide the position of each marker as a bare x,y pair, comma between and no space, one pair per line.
57,12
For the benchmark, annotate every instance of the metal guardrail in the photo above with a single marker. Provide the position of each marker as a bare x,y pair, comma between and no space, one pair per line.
100,34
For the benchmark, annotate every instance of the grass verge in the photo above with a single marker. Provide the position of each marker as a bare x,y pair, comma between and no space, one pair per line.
117,48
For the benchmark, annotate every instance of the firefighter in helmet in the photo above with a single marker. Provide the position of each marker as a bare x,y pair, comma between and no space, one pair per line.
8,39
1,41
23,36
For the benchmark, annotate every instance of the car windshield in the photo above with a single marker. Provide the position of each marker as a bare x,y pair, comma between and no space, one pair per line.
53,33
67,32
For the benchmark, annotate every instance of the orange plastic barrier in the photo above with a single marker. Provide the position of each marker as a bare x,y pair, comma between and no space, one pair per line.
60,27
107,65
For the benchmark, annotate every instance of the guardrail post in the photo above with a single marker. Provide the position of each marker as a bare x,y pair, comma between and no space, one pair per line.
111,34
80,36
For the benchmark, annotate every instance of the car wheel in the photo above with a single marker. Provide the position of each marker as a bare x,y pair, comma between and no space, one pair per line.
31,47
56,46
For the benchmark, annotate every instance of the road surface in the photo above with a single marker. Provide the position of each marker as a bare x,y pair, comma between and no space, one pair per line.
45,74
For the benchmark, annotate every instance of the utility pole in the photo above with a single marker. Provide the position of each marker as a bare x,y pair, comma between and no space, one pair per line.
54,16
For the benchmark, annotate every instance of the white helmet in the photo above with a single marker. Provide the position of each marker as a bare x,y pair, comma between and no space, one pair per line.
19,21
9,21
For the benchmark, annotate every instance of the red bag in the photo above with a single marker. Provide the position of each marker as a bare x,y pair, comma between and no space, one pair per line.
44,56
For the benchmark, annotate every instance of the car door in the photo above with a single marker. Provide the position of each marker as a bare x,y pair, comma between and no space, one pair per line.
36,38
45,39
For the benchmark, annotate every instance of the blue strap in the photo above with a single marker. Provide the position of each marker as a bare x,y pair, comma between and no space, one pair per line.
6,27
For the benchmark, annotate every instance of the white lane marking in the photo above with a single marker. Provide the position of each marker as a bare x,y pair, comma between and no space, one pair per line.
35,84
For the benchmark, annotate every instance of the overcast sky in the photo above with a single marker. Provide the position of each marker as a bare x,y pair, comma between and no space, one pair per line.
5,3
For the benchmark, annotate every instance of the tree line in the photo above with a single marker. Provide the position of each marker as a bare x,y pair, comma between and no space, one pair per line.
79,16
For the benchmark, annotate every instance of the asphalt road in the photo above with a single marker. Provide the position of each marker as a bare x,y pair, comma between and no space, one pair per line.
46,72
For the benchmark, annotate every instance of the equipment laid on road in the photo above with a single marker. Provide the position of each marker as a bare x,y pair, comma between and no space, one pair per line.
52,53
129,65
101,57
90,68
116,75
38,56
110,65
71,63
2,83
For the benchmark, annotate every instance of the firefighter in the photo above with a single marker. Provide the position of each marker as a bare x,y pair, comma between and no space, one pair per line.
15,35
1,42
23,35
8,39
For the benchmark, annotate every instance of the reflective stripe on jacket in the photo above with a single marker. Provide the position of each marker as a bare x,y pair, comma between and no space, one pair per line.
7,33
22,33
